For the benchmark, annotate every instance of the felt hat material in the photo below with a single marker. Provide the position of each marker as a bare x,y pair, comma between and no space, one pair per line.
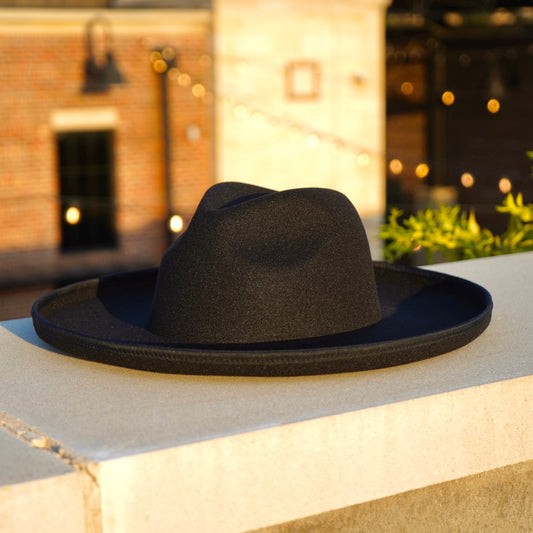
265,283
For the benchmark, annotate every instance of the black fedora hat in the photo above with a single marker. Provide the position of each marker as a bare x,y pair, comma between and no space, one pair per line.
265,283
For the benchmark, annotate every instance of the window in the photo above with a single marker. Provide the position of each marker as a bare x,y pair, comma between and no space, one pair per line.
86,162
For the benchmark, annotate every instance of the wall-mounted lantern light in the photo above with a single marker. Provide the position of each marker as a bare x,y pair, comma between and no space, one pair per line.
101,70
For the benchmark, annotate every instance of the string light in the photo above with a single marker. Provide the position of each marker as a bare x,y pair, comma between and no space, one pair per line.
313,140
407,88
493,105
467,180
184,79
505,185
173,73
175,224
168,54
259,117
72,216
198,90
422,170
363,159
160,66
448,98
396,166
155,56
296,131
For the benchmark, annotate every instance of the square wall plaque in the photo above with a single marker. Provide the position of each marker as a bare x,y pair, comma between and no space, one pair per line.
302,80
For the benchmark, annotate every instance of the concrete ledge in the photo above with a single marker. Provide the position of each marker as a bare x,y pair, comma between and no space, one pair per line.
499,500
137,451
38,492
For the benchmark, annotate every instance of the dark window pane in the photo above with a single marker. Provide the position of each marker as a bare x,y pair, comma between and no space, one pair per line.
87,190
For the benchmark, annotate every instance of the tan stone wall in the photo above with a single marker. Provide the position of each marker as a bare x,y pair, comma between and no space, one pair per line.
43,53
331,131
500,500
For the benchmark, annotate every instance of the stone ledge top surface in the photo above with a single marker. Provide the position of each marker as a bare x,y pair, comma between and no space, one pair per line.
104,412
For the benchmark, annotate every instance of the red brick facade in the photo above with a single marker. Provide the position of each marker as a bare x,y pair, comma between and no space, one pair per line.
41,76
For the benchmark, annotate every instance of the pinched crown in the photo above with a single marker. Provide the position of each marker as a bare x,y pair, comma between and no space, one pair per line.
256,266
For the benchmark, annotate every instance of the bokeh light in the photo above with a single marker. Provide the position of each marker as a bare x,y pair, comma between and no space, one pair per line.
313,140
448,98
467,180
493,105
422,170
407,88
396,166
363,159
175,223
198,90
72,216
505,185
184,79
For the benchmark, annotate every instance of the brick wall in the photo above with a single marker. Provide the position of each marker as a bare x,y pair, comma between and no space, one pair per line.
42,53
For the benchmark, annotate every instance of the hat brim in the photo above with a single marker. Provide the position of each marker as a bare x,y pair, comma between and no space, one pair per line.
425,314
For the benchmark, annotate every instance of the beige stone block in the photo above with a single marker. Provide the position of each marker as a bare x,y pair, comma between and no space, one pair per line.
39,492
497,501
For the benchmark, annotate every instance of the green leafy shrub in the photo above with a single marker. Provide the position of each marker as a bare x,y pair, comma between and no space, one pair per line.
456,234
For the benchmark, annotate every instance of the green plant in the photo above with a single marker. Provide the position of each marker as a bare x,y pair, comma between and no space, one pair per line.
456,234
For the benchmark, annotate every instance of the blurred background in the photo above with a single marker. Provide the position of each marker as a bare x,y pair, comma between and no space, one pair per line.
117,115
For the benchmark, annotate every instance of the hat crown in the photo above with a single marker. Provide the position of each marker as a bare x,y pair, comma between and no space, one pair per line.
258,266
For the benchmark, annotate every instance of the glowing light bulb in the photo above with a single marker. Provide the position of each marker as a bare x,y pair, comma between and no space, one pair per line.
422,170
363,159
198,90
154,56
407,88
168,54
493,105
396,166
467,180
313,140
505,185
448,98
184,79
72,216
175,224
160,66
173,74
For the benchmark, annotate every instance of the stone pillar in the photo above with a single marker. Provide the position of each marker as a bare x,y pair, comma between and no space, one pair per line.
301,95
